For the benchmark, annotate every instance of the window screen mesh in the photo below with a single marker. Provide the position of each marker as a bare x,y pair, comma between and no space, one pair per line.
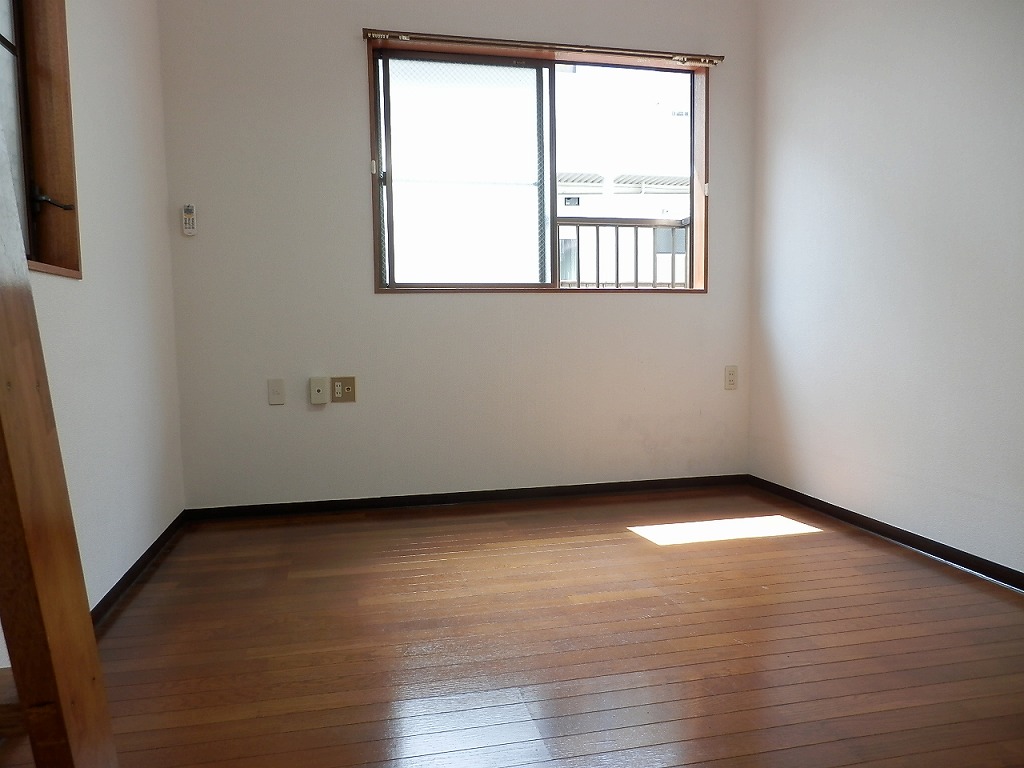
466,172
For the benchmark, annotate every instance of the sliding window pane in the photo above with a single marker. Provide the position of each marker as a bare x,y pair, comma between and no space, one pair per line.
10,124
623,142
468,159
7,19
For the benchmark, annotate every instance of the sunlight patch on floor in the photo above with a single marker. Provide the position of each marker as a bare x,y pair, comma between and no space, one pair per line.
722,530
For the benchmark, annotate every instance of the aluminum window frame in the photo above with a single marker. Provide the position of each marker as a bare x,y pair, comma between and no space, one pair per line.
384,44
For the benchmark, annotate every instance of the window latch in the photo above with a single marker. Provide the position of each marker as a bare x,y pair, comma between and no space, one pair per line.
38,198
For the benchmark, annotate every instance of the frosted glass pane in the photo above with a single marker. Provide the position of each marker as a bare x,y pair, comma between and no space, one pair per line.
467,161
463,233
7,20
10,124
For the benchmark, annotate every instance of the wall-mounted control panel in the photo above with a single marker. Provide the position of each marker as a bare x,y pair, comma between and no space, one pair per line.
188,219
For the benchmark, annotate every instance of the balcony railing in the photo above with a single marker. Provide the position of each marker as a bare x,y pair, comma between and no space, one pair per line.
624,253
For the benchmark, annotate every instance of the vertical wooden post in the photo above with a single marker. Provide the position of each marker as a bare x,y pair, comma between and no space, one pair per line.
43,603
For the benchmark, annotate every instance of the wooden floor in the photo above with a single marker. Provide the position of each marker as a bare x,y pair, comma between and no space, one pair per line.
547,634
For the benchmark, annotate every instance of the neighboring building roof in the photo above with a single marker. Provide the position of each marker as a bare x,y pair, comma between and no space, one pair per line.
580,178
638,182
628,179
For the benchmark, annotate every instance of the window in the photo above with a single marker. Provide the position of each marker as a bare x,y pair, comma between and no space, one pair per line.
508,166
35,116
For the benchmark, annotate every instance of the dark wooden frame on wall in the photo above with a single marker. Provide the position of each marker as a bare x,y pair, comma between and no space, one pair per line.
44,607
48,137
61,702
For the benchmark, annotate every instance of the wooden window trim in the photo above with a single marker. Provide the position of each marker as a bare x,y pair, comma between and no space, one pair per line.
699,186
48,140
697,64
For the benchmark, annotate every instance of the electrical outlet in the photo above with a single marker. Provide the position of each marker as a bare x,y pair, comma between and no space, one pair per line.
343,389
318,390
732,373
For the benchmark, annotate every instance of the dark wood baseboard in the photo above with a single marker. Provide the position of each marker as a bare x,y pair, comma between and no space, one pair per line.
979,565
990,570
461,497
103,608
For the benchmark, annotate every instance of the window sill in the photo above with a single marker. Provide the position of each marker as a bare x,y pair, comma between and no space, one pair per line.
38,266
550,291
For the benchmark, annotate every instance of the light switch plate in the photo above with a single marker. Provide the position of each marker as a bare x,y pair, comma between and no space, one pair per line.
275,391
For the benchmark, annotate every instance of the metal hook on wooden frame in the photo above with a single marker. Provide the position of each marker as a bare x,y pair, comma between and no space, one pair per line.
38,198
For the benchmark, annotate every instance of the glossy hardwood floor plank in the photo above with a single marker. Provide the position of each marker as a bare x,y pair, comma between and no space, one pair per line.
999,754
426,685
293,666
692,651
551,607
230,632
544,633
938,746
417,734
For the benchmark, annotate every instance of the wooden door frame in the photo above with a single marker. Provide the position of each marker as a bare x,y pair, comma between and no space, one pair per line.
44,607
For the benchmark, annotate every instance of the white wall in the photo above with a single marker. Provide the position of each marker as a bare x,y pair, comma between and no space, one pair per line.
876,180
267,132
888,324
883,310
108,340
